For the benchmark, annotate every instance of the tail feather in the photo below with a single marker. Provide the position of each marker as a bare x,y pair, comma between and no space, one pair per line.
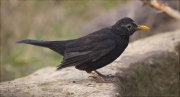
57,46
34,42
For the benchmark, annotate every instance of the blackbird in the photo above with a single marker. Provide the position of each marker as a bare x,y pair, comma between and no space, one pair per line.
95,50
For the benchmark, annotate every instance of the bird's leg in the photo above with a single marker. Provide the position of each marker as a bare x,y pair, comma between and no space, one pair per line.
101,75
102,78
96,75
106,76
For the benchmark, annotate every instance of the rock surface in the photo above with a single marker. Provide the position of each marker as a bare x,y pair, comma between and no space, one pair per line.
70,82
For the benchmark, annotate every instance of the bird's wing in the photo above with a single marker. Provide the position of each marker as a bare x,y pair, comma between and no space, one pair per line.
87,49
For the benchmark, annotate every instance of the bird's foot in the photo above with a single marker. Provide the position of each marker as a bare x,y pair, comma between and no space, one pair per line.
100,78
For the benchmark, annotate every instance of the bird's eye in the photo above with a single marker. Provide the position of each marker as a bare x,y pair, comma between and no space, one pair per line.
129,26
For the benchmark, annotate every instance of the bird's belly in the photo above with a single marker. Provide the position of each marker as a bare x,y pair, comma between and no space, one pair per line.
105,60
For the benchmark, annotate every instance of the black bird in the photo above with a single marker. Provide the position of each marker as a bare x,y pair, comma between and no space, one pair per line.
95,50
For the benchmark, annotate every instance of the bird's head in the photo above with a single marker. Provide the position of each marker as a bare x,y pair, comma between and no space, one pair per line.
127,26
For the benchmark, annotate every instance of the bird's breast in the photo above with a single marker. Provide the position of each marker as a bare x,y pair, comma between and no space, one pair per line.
122,41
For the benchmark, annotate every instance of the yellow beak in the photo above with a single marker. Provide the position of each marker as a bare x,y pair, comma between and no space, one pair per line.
142,27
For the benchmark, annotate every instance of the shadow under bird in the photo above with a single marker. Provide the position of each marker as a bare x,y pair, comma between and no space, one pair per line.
95,50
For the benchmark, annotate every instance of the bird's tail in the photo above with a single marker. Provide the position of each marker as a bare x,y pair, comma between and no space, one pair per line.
35,42
57,46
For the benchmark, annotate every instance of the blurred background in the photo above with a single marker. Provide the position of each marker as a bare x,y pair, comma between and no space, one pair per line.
68,19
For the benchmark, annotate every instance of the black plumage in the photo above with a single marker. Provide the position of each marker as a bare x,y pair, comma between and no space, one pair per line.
95,50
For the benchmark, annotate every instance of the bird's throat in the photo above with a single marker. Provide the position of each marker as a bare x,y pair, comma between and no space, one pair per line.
124,38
